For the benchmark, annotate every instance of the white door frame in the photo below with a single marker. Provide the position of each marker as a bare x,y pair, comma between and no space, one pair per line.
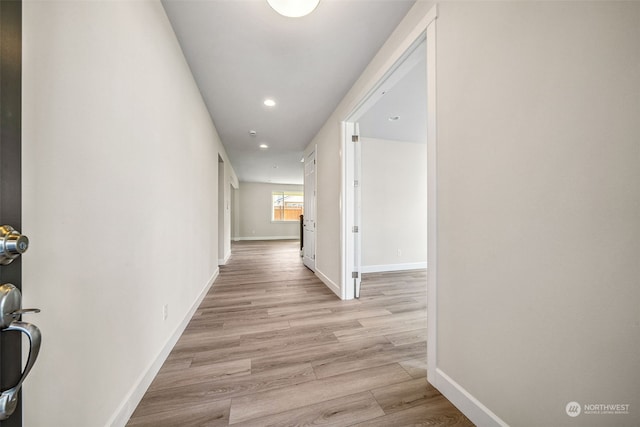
426,28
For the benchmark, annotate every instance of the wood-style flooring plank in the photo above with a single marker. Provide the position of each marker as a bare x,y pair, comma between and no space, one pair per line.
367,358
409,337
417,368
178,398
344,411
439,412
271,343
382,329
210,414
214,333
279,400
401,396
200,374
340,317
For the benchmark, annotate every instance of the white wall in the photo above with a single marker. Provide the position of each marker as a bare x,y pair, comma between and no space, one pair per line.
539,206
394,205
255,210
120,203
538,190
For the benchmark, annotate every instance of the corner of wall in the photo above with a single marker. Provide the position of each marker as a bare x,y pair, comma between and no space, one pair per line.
334,287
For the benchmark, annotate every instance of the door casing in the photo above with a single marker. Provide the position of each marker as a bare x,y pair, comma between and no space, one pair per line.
424,30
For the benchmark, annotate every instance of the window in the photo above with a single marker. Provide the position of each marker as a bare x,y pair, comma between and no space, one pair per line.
287,205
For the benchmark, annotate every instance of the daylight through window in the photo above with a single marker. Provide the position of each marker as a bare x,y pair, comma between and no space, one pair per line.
287,206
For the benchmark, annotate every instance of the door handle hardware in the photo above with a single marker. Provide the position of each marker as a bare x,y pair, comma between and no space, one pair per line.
12,244
10,301
9,398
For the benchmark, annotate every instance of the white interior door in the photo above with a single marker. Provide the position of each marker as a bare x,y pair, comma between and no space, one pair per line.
309,224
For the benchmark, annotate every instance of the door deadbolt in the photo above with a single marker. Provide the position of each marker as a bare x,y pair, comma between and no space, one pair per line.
12,244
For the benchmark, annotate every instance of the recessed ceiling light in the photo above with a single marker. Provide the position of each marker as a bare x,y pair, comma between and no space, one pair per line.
394,118
253,133
269,102
293,8
264,146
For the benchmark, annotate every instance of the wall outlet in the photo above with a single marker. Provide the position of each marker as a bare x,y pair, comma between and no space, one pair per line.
165,311
399,252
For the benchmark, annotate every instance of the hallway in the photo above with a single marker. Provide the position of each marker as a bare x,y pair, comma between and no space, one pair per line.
271,345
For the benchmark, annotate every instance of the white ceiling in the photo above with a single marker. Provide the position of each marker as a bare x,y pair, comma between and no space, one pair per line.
405,97
241,52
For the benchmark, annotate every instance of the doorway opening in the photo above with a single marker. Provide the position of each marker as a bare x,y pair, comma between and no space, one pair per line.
393,173
403,61
388,130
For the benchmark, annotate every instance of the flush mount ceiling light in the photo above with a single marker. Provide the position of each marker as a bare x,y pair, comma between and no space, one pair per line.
293,8
264,146
269,102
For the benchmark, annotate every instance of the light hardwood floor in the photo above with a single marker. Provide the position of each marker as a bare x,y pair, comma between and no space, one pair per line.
270,345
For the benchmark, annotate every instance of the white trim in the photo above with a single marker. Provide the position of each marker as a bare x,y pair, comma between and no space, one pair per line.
135,394
432,201
394,267
471,407
347,216
224,260
335,288
268,238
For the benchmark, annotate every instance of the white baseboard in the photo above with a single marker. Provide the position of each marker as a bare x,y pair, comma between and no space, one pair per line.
268,238
394,267
330,284
133,398
471,407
